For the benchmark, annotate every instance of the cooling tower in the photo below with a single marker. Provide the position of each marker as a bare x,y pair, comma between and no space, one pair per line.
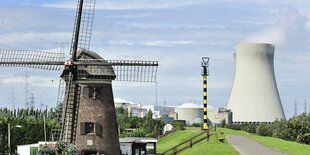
254,96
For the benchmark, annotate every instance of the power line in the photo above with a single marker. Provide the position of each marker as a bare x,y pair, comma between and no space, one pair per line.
165,102
295,108
13,99
26,90
156,94
32,103
305,106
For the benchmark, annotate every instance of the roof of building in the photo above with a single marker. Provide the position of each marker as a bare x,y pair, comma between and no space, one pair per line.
137,140
120,100
192,105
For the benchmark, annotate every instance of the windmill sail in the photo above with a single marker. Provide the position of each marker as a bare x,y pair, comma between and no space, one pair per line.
134,70
83,25
32,59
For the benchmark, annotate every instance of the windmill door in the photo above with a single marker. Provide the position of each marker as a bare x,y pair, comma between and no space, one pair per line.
89,153
139,148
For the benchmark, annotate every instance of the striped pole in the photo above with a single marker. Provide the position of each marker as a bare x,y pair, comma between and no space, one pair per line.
205,64
205,108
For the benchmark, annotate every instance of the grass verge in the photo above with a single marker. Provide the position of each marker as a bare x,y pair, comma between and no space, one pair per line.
289,147
202,148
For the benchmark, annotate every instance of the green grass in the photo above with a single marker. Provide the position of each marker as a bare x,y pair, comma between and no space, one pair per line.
202,148
175,138
289,147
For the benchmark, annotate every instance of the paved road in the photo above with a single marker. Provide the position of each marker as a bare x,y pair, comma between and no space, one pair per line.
246,146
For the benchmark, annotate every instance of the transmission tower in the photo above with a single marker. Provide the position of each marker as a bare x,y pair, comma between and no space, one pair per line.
156,95
13,99
295,108
165,102
305,106
32,103
26,90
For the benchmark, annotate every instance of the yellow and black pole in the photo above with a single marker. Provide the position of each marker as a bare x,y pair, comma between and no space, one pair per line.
205,73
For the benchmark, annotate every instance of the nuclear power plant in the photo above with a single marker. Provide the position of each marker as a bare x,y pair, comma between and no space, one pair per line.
254,96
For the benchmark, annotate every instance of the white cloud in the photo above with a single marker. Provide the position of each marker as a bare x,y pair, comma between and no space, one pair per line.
36,81
166,43
28,37
279,33
130,4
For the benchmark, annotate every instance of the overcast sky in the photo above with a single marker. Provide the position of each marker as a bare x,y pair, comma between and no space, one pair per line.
177,33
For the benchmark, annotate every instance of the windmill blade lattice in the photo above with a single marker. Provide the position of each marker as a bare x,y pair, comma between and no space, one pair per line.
123,70
31,59
83,25
134,70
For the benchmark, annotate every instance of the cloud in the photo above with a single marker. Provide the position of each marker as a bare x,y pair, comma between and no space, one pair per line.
167,43
129,4
16,37
280,32
36,81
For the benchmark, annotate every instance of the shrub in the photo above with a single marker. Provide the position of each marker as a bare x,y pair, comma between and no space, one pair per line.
196,125
137,133
251,128
64,148
178,125
46,150
235,127
303,138
264,130
223,123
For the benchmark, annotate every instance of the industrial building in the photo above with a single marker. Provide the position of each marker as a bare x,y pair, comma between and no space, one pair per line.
140,110
193,113
133,108
254,96
189,112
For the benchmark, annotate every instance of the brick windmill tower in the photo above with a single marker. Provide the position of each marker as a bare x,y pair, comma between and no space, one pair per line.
88,117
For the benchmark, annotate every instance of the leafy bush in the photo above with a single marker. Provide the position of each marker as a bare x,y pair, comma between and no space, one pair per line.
137,133
264,130
223,123
251,128
178,125
196,125
303,138
234,127
46,150
64,148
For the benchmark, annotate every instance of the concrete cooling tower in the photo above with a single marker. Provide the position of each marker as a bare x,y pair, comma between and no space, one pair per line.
254,97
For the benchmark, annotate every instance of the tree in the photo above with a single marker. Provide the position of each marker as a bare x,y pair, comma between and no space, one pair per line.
31,130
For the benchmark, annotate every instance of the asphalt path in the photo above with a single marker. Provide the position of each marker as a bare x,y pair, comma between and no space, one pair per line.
246,146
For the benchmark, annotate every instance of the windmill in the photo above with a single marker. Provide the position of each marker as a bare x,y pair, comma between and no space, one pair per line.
88,117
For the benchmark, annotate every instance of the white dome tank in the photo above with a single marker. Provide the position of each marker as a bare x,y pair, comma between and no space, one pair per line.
190,112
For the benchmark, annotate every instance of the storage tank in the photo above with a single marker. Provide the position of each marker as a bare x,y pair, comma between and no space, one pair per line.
254,95
190,112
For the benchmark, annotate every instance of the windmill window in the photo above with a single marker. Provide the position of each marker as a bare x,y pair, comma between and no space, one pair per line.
89,127
92,128
91,92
